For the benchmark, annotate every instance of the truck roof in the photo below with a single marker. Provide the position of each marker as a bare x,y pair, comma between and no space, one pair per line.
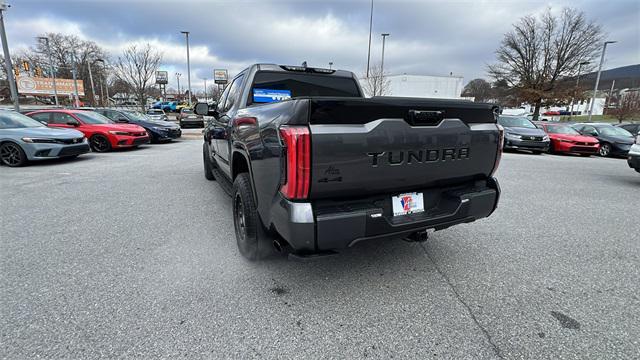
298,68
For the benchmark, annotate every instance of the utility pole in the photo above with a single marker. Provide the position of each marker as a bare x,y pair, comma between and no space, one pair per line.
51,71
75,79
106,82
384,36
7,58
575,93
595,89
186,33
205,89
93,89
370,28
608,102
178,78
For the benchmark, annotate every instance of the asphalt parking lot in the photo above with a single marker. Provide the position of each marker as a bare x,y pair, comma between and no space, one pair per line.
132,254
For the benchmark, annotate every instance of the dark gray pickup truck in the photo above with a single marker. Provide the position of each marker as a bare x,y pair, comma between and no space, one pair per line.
313,166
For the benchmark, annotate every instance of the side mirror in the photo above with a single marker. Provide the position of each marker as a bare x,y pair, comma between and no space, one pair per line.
73,123
204,109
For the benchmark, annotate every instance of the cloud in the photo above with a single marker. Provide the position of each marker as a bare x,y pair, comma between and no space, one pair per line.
427,37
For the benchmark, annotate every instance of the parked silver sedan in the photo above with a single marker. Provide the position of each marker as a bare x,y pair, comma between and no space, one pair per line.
24,139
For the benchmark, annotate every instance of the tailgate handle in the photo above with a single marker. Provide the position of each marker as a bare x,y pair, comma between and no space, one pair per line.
425,117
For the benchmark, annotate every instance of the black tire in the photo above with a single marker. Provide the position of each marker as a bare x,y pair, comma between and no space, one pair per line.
11,154
208,170
152,138
605,150
253,242
99,143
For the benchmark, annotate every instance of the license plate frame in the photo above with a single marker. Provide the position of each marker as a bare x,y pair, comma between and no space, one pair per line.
407,203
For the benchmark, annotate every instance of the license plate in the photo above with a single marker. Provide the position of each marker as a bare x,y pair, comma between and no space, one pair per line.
408,203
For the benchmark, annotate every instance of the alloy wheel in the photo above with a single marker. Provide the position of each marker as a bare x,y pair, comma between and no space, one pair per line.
11,154
99,143
605,150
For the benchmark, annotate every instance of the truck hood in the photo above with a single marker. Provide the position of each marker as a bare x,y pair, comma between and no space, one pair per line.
524,131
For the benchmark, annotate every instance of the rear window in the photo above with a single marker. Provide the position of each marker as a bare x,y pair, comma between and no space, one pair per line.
277,86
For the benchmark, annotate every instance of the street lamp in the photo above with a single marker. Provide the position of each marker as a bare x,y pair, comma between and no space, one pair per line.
370,28
52,75
595,89
384,36
186,33
330,64
105,101
575,93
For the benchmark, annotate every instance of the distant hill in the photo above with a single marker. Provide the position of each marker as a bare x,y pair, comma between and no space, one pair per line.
625,77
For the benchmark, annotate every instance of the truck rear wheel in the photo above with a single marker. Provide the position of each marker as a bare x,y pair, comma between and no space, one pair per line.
253,242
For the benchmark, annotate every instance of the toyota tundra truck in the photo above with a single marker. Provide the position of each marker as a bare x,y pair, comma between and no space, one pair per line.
313,166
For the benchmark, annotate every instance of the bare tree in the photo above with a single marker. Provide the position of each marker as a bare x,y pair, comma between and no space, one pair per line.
214,92
480,89
628,106
377,84
540,51
137,67
63,47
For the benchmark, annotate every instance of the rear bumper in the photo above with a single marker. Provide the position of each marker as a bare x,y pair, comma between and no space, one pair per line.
192,122
312,227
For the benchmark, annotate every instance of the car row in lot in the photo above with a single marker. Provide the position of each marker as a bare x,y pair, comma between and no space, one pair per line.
60,133
585,139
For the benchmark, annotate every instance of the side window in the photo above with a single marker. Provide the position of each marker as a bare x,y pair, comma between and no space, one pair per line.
61,118
223,99
41,117
234,93
590,130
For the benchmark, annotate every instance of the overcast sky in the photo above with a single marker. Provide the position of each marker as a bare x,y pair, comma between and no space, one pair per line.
427,37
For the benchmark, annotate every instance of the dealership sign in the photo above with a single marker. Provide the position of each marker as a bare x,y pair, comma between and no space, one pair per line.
162,77
220,76
44,86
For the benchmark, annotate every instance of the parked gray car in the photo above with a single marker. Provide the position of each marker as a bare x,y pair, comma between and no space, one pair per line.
157,114
23,139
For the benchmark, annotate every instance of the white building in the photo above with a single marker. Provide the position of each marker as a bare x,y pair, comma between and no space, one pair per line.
426,86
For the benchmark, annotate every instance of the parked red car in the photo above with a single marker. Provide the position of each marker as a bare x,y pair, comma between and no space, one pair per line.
565,139
103,134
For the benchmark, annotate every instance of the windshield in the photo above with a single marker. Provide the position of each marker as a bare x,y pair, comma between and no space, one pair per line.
614,131
90,117
135,116
14,120
276,86
512,121
561,129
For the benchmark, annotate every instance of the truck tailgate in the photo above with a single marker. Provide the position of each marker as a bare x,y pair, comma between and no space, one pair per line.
373,146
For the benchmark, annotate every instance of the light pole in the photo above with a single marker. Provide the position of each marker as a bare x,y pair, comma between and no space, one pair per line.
7,58
205,90
186,33
330,64
384,36
51,72
75,79
178,78
105,101
575,93
595,89
370,28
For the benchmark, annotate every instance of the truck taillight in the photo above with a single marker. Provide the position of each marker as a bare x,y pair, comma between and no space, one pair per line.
500,147
297,142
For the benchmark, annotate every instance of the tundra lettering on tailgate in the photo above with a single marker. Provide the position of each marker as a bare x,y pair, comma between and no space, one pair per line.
401,157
